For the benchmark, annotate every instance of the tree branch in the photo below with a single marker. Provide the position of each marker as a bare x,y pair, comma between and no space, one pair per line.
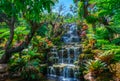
8,54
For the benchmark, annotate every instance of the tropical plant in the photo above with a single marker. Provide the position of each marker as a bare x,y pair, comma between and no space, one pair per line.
101,33
29,11
1,52
91,19
106,56
16,64
96,66
101,42
116,41
57,41
110,47
28,65
43,31
31,70
114,68
116,57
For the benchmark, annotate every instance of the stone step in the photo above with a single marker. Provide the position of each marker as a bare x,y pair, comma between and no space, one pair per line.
3,68
3,76
3,72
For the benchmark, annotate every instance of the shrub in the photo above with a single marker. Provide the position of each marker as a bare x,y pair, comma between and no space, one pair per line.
95,66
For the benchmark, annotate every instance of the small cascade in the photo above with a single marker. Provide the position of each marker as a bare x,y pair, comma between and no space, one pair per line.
71,34
52,71
62,60
68,55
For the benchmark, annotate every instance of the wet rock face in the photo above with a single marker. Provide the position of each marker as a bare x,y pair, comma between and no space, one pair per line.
62,59
90,76
71,35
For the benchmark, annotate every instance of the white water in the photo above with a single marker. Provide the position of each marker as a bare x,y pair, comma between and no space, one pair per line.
63,69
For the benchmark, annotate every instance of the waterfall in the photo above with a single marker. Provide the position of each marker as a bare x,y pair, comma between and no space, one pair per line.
63,67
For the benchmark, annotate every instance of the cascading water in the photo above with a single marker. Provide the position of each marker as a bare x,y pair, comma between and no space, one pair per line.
62,66
71,35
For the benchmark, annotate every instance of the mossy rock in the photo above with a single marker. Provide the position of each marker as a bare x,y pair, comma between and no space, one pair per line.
105,76
86,56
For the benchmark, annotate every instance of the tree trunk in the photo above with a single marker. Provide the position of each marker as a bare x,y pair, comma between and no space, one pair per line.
11,24
9,52
85,6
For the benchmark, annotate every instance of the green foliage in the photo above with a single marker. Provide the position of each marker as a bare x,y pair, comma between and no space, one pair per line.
4,32
30,9
28,65
107,53
41,43
110,46
21,30
32,53
108,5
116,54
101,42
43,31
109,8
80,10
28,62
116,41
115,28
95,65
31,70
70,20
56,41
101,33
116,21
91,19
19,34
106,56
16,65
102,13
1,52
